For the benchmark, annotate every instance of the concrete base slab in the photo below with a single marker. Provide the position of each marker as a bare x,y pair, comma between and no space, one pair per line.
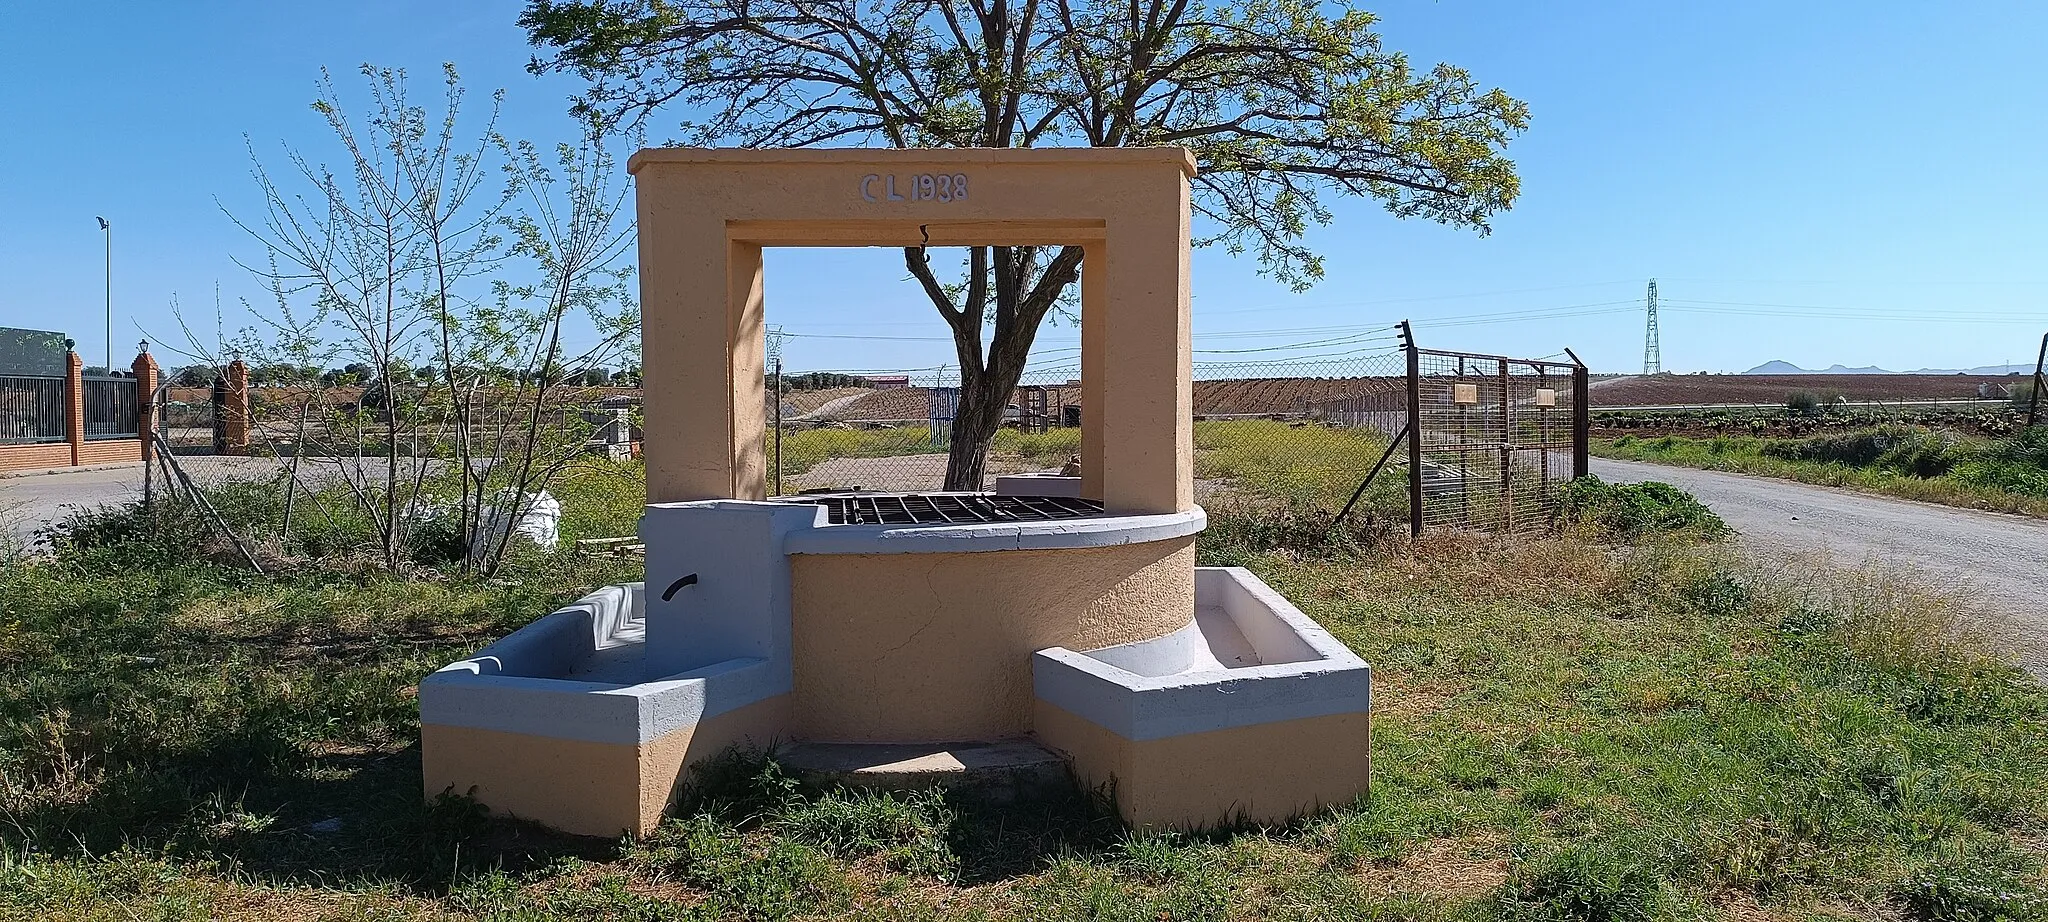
1003,767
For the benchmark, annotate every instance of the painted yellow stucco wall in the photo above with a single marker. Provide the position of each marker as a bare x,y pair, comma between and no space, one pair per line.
909,647
1263,773
581,787
705,215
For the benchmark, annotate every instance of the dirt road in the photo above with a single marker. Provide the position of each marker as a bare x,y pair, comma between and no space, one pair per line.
2002,559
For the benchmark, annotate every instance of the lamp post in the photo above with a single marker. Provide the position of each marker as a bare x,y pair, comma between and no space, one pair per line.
109,231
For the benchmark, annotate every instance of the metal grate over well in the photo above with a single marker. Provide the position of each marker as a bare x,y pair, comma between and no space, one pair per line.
946,508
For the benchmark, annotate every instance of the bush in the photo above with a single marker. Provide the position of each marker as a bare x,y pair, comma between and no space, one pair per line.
1633,511
1910,450
1804,403
2018,464
2023,396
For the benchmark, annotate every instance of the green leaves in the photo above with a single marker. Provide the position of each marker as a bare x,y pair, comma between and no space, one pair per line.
1283,101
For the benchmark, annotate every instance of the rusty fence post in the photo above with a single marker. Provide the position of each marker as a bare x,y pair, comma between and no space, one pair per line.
1582,418
1414,431
2040,378
1507,451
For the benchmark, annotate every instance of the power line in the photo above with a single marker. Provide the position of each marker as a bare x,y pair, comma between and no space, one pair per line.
1630,309
1896,318
1835,308
1413,300
1327,358
1340,341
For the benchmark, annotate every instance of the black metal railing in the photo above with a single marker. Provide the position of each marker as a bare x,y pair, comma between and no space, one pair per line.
110,409
32,409
945,508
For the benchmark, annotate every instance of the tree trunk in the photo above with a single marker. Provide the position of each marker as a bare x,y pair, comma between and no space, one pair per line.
1023,295
983,397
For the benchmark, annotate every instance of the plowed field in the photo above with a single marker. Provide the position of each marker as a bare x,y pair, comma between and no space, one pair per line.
1673,390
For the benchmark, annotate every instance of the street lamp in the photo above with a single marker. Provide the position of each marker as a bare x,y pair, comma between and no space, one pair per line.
109,229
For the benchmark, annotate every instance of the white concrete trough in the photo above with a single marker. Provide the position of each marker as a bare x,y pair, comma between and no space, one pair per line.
562,722
1253,696
953,638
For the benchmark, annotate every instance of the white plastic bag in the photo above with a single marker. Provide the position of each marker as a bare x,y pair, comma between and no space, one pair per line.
541,523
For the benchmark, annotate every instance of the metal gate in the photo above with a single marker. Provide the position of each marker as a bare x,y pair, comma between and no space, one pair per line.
1492,439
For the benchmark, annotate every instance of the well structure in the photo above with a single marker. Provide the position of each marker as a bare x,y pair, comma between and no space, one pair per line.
1196,695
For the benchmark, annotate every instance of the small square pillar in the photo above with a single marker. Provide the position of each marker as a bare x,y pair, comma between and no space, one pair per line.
1142,376
703,390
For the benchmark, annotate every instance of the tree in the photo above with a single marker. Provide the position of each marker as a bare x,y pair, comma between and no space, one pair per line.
194,376
434,249
1281,102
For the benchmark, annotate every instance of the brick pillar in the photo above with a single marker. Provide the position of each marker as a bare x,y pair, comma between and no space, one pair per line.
146,373
235,413
74,405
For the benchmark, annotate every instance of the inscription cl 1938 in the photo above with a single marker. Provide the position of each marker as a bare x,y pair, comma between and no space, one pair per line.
922,187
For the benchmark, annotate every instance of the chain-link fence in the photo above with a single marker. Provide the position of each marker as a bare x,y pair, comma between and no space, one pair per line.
1495,437
1490,441
293,471
1296,428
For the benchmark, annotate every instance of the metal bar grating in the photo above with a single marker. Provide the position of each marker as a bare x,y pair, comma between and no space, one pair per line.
945,508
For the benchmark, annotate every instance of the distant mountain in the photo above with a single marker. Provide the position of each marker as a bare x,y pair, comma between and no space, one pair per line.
1781,367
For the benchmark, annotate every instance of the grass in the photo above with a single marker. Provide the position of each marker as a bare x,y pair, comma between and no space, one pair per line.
1564,729
804,449
1311,464
1278,487
2009,476
1305,463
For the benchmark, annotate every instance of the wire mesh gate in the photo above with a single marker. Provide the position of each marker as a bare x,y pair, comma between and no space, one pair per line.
1492,440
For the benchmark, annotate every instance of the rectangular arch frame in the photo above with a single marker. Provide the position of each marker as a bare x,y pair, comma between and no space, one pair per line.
705,215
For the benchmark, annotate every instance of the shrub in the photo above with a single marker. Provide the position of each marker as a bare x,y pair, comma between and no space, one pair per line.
2018,464
2023,395
1910,450
1632,511
1804,403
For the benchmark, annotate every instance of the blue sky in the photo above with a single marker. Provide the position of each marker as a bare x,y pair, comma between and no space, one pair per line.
1817,182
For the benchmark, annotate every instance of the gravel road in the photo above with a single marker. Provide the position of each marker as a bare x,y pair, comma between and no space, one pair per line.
2002,559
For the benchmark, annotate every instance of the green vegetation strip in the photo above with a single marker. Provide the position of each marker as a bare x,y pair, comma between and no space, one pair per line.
1930,465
